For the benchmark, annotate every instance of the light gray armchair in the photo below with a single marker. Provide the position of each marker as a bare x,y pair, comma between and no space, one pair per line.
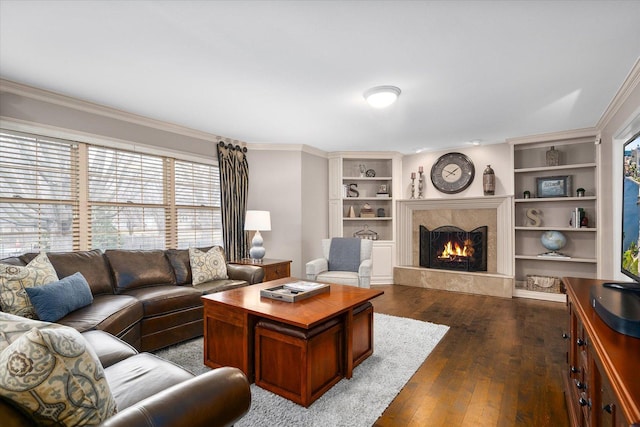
318,269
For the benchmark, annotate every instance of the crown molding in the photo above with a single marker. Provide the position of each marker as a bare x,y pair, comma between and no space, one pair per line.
11,123
628,86
287,147
590,132
8,86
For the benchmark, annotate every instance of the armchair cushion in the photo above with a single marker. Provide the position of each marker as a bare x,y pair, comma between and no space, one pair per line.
344,254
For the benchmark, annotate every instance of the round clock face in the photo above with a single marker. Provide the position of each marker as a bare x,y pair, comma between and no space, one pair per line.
452,173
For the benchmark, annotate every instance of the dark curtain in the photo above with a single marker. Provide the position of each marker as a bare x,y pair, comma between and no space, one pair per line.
234,185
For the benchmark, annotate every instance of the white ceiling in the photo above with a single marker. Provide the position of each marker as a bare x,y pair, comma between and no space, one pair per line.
293,72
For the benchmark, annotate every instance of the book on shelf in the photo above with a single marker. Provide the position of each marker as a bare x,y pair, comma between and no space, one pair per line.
554,255
382,195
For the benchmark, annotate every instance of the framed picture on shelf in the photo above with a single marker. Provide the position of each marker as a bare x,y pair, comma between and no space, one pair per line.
553,186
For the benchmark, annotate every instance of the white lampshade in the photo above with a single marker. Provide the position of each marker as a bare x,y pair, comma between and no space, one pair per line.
258,221
382,96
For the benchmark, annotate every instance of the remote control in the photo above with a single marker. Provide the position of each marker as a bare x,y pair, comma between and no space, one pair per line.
623,286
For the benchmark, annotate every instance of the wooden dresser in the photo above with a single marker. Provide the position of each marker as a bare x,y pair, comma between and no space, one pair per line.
602,379
273,268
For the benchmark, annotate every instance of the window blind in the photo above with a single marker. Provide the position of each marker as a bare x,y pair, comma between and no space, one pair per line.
126,199
197,200
38,194
58,195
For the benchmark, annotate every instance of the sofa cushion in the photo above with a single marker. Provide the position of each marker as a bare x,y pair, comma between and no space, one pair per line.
14,279
135,269
219,285
110,313
158,300
109,349
55,300
141,376
92,264
57,377
207,266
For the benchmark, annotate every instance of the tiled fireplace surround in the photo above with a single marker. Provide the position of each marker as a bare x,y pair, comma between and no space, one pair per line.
466,213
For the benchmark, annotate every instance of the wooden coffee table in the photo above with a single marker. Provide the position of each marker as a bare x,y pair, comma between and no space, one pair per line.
230,318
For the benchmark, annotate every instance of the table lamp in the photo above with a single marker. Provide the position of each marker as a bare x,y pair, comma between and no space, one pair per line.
257,221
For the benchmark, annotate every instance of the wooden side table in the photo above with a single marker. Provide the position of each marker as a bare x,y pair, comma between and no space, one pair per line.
273,268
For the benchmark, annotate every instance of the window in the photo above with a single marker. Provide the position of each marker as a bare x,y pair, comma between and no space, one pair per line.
38,194
197,204
126,199
127,202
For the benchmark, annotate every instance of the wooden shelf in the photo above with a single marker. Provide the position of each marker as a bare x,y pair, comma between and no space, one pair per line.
555,199
560,168
551,228
366,178
538,258
377,218
546,296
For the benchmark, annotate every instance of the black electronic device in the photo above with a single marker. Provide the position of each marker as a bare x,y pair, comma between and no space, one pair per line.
623,286
618,308
630,224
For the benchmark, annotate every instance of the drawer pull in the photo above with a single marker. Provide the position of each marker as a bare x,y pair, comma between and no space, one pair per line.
580,342
608,408
580,385
574,370
565,336
583,402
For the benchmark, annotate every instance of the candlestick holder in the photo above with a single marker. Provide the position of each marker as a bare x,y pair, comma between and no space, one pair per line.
413,186
420,186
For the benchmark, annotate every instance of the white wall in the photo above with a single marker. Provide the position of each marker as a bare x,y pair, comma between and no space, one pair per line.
293,186
496,155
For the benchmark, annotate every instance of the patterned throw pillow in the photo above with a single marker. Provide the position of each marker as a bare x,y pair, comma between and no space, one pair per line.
12,327
14,279
206,266
56,377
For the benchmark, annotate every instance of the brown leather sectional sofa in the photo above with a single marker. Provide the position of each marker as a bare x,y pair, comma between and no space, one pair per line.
143,297
150,391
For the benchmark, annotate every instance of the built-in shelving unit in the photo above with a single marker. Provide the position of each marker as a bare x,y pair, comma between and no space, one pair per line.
369,174
578,160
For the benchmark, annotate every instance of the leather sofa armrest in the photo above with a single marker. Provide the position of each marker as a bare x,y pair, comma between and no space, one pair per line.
251,274
219,397
315,267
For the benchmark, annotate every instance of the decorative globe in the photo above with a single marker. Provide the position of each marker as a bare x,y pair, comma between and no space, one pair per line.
553,240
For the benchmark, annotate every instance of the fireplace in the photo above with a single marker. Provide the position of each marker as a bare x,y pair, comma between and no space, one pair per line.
452,248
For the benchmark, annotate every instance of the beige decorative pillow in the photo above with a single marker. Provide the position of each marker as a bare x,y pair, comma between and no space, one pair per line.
14,279
12,327
206,266
55,376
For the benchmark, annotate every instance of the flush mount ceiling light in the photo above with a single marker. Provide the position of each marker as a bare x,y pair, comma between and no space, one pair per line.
382,96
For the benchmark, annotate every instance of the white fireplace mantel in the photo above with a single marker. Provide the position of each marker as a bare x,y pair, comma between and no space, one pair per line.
502,205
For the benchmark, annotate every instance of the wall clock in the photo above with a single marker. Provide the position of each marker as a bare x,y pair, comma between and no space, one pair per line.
452,173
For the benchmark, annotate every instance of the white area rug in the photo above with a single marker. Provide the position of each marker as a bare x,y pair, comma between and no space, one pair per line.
400,347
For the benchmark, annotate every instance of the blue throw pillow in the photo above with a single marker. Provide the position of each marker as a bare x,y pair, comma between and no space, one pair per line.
55,300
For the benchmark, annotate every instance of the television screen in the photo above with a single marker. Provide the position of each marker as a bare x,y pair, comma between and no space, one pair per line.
631,208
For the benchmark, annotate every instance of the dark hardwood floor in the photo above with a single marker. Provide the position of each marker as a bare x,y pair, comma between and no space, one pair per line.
500,363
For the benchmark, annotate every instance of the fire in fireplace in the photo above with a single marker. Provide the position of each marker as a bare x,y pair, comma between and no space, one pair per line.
452,248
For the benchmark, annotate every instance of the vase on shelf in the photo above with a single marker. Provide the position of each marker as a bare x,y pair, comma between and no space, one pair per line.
553,157
489,181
